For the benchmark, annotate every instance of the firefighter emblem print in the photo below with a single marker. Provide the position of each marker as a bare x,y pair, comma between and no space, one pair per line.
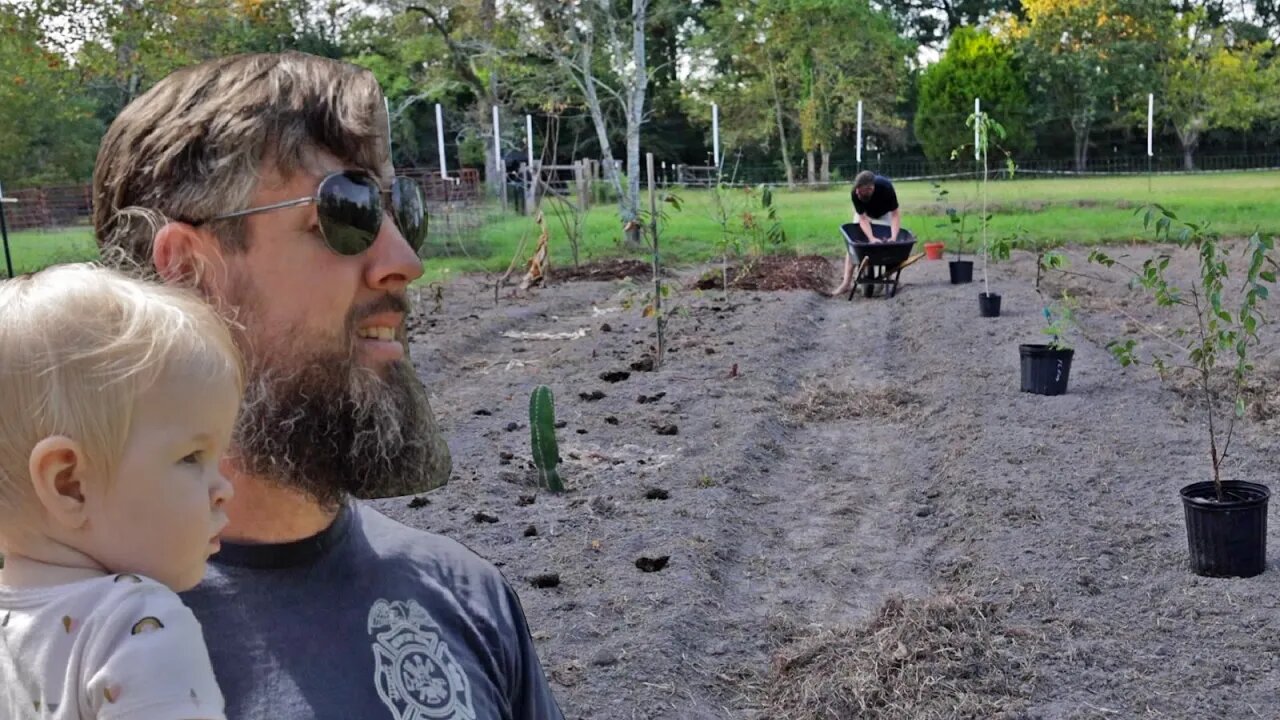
415,673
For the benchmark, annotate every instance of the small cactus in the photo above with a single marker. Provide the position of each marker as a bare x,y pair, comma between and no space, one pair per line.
542,432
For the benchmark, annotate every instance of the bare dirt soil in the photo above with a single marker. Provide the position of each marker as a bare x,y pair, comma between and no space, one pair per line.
820,508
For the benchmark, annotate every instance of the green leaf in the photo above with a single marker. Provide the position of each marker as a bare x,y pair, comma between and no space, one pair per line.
1239,407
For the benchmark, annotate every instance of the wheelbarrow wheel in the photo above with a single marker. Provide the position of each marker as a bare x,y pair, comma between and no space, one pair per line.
868,289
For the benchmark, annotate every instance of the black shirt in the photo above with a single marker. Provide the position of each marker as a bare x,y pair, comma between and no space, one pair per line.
883,199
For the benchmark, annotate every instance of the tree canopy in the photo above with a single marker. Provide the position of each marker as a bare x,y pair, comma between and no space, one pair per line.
615,78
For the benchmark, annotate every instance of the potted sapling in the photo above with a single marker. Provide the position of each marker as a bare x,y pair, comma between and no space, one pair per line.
961,233
1226,520
1046,367
984,127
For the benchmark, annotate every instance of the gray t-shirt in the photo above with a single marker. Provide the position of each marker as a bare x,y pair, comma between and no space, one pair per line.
369,619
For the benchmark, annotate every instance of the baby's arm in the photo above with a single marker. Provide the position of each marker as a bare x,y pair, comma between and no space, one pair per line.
149,660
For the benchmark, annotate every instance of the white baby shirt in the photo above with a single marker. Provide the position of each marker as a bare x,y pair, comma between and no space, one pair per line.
110,647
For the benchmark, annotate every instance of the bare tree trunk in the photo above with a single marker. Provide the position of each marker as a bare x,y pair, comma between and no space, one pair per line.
826,164
635,117
1081,123
811,167
493,167
588,84
125,55
1190,139
782,130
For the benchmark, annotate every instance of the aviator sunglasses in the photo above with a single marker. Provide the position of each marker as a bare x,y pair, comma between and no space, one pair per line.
349,204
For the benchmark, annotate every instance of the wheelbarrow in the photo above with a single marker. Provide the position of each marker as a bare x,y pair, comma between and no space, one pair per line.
879,263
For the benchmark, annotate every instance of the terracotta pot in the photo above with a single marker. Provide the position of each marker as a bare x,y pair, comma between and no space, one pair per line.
933,250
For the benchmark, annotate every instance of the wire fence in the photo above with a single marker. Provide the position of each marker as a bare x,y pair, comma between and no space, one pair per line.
66,206
905,169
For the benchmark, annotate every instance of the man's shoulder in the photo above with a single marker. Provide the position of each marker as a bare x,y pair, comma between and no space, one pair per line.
884,182
391,538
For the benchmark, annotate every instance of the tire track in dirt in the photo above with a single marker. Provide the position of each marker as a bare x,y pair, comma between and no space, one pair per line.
827,507
776,526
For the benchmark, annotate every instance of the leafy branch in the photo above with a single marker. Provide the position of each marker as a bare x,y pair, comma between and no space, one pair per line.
1220,330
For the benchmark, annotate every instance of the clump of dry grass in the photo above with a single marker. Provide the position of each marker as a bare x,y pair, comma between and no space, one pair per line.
941,657
820,401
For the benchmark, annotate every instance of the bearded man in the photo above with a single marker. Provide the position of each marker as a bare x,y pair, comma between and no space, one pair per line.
264,182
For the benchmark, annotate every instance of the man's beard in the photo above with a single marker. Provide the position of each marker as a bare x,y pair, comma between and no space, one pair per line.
316,421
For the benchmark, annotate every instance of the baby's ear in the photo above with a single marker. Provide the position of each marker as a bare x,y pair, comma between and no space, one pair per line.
58,468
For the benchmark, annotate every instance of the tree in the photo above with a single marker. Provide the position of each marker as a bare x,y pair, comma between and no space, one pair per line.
980,65
1088,57
835,73
930,22
1212,84
470,30
750,83
579,35
795,61
50,132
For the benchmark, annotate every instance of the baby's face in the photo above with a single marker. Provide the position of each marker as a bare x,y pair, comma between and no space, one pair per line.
165,507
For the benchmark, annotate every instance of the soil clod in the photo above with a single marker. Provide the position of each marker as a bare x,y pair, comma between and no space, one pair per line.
545,580
648,564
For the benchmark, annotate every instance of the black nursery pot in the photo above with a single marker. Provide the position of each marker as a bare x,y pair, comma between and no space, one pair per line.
989,304
1045,371
1229,538
961,271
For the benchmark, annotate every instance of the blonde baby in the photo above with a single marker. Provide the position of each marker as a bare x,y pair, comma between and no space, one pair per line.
117,400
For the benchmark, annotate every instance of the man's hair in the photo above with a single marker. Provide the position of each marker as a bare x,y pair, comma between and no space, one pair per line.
78,344
192,146
866,178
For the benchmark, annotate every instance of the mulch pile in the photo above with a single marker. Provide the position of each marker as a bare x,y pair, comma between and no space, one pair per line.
614,269
805,272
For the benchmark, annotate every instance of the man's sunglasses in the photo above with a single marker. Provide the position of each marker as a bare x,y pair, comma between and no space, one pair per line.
349,204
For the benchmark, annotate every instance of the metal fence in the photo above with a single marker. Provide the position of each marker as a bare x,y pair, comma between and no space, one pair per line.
65,206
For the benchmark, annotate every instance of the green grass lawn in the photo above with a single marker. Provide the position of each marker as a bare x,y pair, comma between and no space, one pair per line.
1076,210
34,249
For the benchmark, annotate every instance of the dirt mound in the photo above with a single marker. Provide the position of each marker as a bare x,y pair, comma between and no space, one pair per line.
943,657
773,272
612,269
821,401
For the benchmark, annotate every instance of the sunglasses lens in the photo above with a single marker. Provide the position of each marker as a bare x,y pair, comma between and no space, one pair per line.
410,210
350,212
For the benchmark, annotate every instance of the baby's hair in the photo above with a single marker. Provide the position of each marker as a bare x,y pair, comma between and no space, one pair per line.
79,344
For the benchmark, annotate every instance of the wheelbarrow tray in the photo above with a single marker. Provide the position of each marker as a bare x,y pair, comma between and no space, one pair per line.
878,263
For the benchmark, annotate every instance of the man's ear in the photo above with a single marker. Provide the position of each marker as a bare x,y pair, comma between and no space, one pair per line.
184,254
59,469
